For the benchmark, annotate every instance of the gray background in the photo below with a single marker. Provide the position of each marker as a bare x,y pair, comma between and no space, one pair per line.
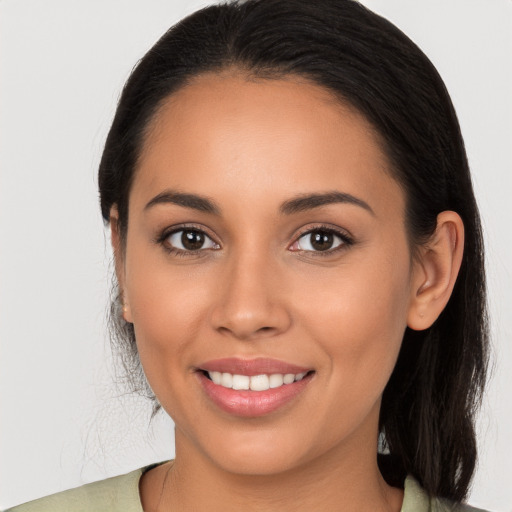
62,65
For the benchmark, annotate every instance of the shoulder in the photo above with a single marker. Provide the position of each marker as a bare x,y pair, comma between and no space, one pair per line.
417,500
115,494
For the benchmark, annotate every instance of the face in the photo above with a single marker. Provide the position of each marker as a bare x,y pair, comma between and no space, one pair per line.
266,248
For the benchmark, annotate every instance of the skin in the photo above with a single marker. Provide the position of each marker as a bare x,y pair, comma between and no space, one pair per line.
257,291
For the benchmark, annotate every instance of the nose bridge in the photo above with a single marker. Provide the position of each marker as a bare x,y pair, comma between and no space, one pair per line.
250,304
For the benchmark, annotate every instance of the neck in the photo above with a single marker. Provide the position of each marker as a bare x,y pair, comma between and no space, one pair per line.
343,479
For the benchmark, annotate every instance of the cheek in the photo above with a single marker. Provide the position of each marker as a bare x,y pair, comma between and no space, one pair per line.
165,309
359,317
166,304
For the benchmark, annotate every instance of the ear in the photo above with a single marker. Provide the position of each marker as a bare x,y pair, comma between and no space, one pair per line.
435,271
117,247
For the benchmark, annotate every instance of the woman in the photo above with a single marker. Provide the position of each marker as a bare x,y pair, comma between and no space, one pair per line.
300,266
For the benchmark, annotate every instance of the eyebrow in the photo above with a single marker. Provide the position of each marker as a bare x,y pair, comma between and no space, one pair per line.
310,201
193,201
297,204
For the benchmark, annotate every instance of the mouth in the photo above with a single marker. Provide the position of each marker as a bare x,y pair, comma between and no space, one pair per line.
252,388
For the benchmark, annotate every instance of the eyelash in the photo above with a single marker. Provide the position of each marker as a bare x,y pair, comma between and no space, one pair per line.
346,240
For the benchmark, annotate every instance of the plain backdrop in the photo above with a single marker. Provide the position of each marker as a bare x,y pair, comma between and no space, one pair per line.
62,66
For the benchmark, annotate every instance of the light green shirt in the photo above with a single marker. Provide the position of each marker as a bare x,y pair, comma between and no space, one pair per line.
121,494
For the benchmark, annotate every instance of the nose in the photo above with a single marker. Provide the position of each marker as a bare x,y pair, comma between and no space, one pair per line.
251,303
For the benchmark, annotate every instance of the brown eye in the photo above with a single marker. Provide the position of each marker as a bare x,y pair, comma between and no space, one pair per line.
322,241
319,240
190,240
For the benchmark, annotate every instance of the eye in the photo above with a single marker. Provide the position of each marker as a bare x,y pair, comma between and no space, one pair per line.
189,240
321,240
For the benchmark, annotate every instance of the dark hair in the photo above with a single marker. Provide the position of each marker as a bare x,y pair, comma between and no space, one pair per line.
429,404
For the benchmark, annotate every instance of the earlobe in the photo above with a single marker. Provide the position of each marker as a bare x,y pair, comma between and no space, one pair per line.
436,270
116,241
127,315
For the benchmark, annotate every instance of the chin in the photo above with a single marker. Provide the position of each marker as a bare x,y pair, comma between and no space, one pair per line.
266,451
258,462
255,450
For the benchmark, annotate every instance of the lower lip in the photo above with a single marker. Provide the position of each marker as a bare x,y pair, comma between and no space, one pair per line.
252,403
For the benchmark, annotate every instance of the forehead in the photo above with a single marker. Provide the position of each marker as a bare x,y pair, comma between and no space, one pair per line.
228,133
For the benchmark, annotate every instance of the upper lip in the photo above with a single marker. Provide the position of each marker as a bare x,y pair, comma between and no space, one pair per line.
250,367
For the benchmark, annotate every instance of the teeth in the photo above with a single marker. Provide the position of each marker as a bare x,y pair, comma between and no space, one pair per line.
275,380
216,377
259,382
226,380
288,378
241,382
256,382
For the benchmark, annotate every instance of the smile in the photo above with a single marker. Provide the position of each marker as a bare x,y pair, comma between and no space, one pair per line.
252,388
